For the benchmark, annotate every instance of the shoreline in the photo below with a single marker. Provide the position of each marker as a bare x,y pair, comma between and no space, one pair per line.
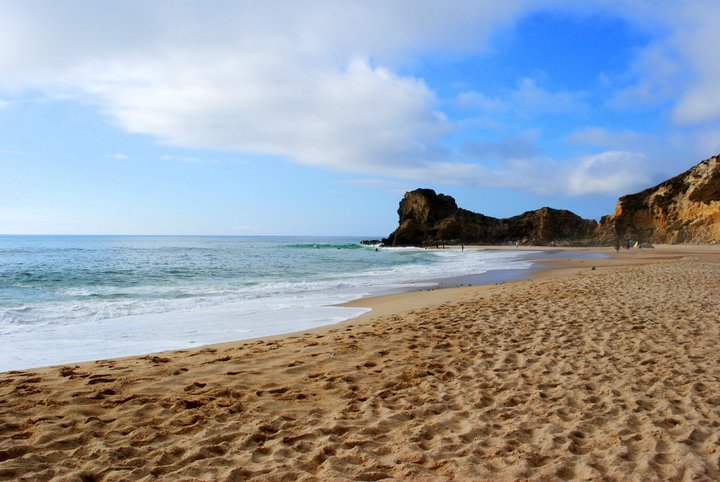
406,298
294,318
578,373
397,302
447,290
386,304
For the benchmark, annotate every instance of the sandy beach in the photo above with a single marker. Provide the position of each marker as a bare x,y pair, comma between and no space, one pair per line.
602,369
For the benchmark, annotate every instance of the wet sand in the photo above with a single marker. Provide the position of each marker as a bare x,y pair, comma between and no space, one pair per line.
596,369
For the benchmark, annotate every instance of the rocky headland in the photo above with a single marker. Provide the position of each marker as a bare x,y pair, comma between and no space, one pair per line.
428,218
684,209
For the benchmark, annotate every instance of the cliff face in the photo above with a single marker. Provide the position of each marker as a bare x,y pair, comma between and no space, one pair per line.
427,218
684,209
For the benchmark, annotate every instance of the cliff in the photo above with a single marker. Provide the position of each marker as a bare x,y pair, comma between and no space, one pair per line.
427,218
684,209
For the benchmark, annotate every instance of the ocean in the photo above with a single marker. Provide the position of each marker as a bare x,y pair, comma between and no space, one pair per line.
67,299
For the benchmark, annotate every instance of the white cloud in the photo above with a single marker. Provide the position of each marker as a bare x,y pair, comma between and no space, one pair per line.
320,82
362,118
54,36
700,100
606,138
671,153
520,147
655,72
696,37
478,100
610,172
680,64
707,140
311,82
529,96
119,156
538,174
526,97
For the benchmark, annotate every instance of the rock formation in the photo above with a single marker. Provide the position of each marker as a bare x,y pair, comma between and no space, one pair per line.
427,218
684,209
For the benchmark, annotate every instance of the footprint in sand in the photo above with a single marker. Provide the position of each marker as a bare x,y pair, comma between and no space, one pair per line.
101,378
195,386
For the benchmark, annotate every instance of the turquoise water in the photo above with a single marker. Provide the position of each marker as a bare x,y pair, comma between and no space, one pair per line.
73,298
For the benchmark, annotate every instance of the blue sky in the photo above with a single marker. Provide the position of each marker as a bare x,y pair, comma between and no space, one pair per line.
313,118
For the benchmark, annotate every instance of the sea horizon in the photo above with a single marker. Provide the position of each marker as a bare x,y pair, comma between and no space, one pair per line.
89,235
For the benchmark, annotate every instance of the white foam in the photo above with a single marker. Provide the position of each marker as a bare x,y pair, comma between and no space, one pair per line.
74,331
150,333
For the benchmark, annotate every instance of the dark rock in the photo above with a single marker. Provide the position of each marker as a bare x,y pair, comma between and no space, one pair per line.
427,219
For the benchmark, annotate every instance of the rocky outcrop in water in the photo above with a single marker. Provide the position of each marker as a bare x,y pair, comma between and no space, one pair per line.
427,218
684,209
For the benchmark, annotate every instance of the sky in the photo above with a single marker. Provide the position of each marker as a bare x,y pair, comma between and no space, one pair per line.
279,117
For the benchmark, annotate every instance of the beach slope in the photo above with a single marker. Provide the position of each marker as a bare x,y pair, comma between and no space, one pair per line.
605,373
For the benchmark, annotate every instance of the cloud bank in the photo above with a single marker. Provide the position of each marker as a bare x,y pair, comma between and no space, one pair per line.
325,83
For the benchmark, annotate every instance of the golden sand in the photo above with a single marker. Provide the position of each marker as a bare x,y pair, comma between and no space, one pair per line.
611,373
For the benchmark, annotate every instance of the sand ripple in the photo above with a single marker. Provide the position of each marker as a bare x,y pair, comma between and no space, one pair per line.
609,375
